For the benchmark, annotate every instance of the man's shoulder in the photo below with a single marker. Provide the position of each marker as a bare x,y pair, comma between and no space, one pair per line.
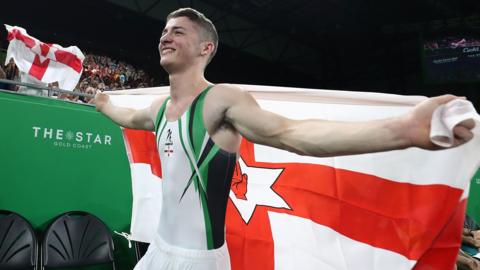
227,87
226,92
223,97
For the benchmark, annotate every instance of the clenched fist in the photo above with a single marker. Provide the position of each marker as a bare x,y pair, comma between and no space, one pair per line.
101,100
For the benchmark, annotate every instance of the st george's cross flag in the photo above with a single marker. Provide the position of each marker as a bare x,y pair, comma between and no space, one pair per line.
391,210
45,62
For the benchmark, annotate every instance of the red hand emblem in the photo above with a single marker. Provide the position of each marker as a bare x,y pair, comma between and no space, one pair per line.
239,183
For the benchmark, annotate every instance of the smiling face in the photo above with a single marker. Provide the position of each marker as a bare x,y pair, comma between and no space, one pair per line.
181,45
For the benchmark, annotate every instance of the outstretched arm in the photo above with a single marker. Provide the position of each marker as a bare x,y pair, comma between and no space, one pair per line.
127,117
331,138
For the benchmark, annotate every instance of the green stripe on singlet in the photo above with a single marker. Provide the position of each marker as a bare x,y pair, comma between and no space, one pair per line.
161,122
195,175
194,137
196,127
211,154
208,221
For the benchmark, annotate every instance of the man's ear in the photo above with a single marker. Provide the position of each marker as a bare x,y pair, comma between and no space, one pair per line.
207,47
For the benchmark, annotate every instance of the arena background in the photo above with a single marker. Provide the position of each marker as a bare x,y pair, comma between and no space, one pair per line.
345,45
349,45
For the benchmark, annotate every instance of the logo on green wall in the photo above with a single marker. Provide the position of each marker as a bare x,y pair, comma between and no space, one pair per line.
71,138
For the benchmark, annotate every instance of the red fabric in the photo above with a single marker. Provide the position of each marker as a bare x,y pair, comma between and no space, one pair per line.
143,149
443,252
45,48
405,219
16,34
69,59
38,67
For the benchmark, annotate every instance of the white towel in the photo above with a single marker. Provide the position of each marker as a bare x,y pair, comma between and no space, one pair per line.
447,116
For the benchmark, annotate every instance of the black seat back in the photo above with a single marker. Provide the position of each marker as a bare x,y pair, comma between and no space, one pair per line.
76,239
18,243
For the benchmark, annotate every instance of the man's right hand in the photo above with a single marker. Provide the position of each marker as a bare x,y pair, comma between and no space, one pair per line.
101,99
128,117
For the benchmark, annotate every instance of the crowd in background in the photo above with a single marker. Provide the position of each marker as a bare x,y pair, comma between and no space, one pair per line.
451,43
468,256
110,74
99,73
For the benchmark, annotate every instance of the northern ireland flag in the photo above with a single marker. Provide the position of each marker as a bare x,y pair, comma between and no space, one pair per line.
45,62
391,210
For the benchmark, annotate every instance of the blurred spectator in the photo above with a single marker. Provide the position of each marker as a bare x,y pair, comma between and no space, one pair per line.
466,262
12,73
105,73
470,245
68,97
63,95
470,224
90,91
3,86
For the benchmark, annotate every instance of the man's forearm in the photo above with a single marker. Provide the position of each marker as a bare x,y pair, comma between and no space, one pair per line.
327,138
121,116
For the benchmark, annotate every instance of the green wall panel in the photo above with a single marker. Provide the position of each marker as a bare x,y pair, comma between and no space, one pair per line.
473,206
58,156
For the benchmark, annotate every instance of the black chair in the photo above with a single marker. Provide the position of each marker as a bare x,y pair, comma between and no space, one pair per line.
18,243
76,239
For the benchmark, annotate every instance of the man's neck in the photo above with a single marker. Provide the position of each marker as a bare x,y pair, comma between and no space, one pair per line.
186,85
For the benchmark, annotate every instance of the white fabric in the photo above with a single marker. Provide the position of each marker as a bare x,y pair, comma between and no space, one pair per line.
447,116
162,256
146,202
24,56
298,95
297,243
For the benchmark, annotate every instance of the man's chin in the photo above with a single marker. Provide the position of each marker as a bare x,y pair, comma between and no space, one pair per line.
168,66
165,63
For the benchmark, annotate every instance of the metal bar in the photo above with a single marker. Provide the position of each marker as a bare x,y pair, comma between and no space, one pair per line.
39,88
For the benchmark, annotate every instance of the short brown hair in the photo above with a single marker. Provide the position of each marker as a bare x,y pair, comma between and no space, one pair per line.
205,24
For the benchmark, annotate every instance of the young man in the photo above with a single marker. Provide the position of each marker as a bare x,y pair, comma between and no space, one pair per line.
199,129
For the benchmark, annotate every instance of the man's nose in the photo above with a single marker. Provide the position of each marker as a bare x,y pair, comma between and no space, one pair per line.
165,38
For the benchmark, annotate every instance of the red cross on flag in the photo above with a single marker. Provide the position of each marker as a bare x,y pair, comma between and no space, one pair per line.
46,62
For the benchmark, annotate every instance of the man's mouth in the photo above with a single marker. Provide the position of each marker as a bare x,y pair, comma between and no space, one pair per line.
167,51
